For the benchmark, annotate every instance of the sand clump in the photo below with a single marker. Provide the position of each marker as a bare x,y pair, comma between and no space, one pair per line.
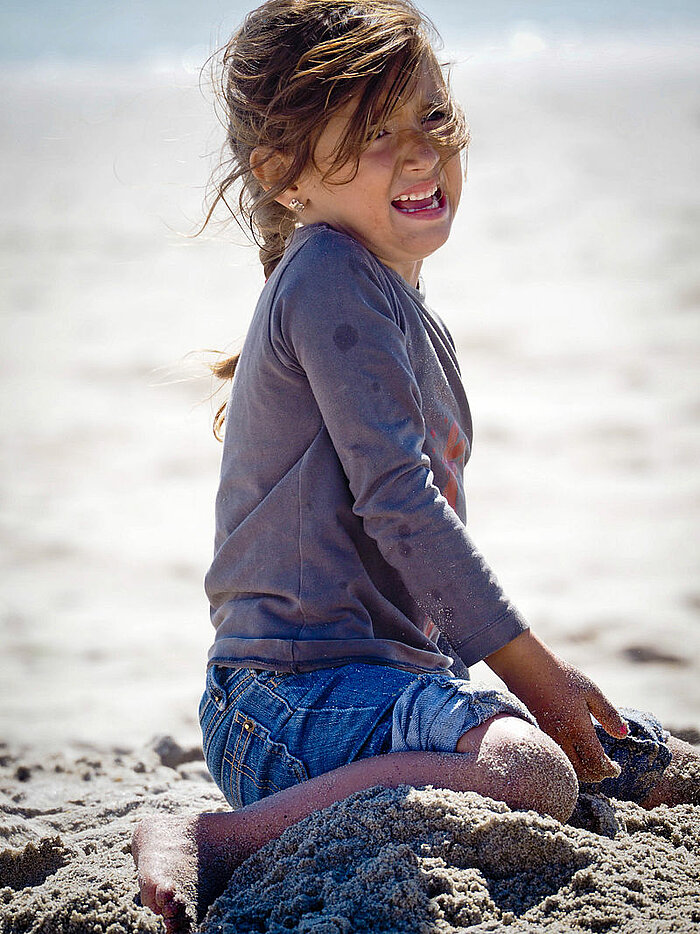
440,861
408,860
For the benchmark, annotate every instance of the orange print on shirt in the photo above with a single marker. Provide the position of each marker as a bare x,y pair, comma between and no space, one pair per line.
452,459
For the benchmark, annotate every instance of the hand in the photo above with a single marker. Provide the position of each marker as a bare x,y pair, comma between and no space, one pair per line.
562,700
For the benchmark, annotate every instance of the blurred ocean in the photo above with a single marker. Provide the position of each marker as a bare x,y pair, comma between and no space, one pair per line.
571,283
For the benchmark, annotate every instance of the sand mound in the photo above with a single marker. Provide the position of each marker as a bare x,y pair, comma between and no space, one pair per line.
393,861
440,861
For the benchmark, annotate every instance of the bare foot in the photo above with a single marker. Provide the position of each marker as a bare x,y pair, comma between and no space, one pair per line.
166,859
183,865
680,783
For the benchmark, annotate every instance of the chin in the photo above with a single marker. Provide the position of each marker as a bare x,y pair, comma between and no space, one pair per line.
430,244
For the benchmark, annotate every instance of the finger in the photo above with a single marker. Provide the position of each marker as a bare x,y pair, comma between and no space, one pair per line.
607,715
589,759
595,771
595,764
147,893
574,759
166,901
564,733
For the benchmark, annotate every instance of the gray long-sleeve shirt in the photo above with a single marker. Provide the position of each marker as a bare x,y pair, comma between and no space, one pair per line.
340,516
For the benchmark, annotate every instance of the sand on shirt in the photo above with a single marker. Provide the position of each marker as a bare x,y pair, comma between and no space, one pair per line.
405,860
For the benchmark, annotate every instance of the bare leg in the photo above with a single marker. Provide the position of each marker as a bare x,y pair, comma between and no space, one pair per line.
505,758
680,783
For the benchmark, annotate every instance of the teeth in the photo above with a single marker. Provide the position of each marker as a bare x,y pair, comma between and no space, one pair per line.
418,196
421,196
434,204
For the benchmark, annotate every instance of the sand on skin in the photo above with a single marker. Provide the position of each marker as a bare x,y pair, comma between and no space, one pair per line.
409,860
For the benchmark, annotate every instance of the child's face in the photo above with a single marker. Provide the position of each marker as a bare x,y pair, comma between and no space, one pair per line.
402,201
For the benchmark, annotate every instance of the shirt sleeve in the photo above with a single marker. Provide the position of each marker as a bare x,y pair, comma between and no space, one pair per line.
336,323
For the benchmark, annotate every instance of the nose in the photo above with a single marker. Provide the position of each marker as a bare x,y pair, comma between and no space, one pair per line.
420,155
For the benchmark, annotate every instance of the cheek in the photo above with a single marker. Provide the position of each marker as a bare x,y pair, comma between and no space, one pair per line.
453,176
377,168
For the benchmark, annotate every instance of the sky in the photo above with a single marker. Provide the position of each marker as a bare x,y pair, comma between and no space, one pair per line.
132,30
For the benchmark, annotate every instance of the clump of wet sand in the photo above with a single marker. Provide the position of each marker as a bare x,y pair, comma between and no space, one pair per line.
433,860
408,860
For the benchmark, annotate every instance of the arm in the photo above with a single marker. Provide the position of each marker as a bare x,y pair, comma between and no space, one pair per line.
562,699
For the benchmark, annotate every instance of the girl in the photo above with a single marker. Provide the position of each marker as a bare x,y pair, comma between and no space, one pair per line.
345,585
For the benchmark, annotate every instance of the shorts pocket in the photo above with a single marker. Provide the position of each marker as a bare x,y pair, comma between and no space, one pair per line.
254,765
223,690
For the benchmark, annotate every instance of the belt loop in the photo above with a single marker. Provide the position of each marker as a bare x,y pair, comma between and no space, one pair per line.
218,694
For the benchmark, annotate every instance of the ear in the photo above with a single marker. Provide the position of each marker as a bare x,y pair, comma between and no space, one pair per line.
268,165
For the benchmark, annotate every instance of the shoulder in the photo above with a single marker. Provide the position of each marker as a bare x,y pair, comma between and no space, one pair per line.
329,258
326,288
327,269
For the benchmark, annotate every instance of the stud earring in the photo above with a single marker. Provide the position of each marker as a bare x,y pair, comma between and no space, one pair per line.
296,206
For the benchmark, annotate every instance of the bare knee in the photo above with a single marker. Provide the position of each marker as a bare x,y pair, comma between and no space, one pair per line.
680,783
522,766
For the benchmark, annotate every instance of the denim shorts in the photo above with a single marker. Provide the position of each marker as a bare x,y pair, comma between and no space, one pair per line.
265,730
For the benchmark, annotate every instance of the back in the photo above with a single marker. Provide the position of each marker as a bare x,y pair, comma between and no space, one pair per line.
340,513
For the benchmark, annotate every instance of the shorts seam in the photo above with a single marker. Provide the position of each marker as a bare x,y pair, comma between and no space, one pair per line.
217,721
234,757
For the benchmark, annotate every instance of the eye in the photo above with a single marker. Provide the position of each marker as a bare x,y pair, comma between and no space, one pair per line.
435,116
376,133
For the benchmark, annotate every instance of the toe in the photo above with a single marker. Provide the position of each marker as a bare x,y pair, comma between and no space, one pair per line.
147,891
165,899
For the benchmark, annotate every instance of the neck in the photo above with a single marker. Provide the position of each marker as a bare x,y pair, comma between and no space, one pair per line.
408,271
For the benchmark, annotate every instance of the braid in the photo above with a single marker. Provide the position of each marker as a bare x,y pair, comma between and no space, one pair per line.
275,225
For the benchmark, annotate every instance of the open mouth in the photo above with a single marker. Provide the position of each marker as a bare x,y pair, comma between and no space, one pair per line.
429,200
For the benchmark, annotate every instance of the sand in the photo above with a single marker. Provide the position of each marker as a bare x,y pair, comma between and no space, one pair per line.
442,861
65,861
409,860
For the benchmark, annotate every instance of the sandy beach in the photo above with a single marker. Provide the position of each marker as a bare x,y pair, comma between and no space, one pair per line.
424,861
571,286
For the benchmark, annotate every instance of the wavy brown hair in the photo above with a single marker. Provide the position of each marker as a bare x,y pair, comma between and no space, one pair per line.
290,67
